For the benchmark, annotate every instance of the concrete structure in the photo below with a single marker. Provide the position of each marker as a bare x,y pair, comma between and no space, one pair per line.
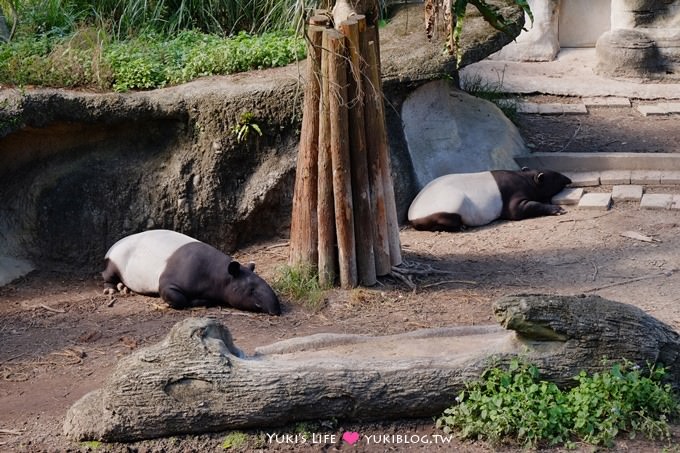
633,38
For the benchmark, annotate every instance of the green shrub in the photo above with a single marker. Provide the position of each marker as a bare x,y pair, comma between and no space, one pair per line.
604,404
515,404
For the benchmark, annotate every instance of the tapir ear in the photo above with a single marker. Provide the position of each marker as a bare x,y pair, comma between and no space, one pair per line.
234,269
251,266
525,168
538,178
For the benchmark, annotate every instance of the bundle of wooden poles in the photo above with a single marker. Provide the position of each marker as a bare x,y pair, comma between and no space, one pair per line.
344,220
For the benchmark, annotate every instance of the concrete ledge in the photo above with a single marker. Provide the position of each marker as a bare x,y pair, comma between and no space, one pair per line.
645,177
583,179
599,162
670,177
612,177
606,101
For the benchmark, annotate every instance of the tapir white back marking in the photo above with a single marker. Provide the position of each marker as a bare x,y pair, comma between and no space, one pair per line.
474,196
142,257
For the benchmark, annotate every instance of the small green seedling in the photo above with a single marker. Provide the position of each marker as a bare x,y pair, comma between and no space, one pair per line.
245,124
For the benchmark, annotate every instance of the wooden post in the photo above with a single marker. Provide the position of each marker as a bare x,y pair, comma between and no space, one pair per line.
363,217
344,215
328,267
373,62
303,240
342,185
373,96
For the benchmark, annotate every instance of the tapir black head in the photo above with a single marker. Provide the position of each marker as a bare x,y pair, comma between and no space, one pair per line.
548,183
248,291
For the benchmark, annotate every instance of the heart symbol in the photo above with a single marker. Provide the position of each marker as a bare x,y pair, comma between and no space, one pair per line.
351,437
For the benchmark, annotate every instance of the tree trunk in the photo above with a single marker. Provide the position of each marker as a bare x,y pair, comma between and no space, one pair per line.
197,381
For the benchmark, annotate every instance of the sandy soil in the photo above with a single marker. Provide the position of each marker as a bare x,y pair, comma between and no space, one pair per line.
61,336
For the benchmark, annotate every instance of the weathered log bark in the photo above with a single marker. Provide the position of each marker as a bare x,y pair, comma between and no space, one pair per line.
566,334
197,381
304,228
373,112
380,132
328,267
340,161
363,215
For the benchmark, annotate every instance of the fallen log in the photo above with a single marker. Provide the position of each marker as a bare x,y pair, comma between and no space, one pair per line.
197,380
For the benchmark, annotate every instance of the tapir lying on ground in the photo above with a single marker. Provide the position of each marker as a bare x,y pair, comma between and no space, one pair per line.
452,202
185,272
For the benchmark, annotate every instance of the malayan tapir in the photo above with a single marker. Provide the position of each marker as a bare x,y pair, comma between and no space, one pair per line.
453,202
185,272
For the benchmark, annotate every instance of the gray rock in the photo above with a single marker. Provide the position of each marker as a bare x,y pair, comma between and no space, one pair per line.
450,131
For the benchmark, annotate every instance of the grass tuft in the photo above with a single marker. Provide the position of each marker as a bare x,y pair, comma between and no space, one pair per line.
300,284
235,439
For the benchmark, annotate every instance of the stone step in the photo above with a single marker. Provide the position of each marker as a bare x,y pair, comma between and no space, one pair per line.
619,193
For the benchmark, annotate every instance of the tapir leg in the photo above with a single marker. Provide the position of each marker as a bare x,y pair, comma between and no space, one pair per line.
111,278
174,297
441,221
527,209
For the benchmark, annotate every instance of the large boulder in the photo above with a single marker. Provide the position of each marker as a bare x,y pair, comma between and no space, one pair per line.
450,131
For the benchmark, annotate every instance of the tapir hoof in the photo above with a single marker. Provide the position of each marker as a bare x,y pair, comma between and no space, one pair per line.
109,291
122,288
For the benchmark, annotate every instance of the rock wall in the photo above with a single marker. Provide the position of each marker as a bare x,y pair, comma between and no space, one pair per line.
83,170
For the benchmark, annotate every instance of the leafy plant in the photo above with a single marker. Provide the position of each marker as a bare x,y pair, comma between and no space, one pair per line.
235,439
300,283
245,124
515,403
604,404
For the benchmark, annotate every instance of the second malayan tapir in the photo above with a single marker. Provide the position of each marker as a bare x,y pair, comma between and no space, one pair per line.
452,202
185,272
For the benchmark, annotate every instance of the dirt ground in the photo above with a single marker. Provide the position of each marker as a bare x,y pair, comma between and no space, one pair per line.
61,336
